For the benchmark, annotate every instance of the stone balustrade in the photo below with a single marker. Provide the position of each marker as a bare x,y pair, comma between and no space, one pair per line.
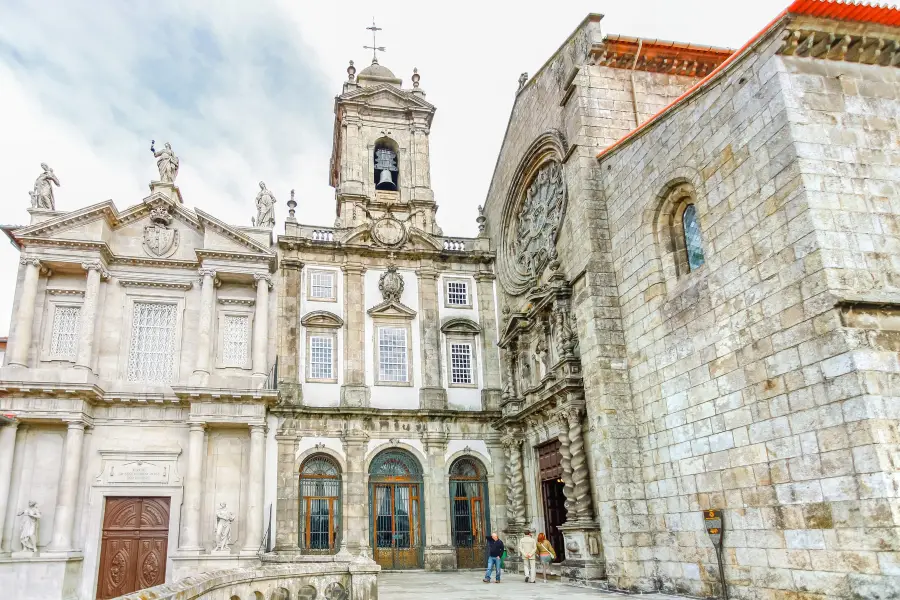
355,580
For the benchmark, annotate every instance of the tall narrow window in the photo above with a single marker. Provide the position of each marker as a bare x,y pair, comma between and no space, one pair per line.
692,240
392,354
64,338
461,363
321,357
320,505
235,339
151,356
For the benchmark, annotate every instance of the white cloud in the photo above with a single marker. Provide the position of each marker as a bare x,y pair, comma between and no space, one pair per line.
244,92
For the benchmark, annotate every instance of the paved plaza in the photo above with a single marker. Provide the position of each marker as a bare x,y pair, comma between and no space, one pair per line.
467,585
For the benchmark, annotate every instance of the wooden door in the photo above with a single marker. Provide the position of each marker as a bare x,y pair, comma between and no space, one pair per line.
397,539
133,545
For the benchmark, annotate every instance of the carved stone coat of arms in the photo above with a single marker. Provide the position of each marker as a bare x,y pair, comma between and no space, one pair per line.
160,240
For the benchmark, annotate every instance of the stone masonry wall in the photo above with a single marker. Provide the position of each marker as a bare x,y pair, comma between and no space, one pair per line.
751,394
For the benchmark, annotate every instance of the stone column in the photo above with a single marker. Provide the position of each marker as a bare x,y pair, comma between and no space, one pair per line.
432,395
7,452
439,554
67,495
88,316
490,359
287,527
515,481
356,500
255,493
580,499
354,392
261,325
204,328
193,489
24,319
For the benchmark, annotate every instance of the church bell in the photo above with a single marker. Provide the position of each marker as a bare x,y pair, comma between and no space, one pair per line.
385,181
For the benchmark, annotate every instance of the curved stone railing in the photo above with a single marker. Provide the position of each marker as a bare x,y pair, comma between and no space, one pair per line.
332,580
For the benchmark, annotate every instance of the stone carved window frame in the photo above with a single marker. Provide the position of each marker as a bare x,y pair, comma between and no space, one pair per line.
235,310
461,331
57,299
321,323
550,146
334,284
463,280
673,200
132,296
381,322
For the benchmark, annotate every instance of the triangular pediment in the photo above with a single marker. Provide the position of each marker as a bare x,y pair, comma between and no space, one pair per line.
392,309
224,237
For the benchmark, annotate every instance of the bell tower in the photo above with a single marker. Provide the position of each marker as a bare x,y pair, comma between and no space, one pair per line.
380,155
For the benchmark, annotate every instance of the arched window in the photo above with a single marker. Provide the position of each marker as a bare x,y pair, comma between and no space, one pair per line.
320,504
469,511
386,171
395,500
692,241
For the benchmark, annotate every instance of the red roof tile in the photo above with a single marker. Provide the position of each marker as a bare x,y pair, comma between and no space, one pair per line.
847,11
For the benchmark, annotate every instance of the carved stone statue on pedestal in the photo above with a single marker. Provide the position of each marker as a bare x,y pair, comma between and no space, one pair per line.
42,196
265,207
31,517
224,519
166,162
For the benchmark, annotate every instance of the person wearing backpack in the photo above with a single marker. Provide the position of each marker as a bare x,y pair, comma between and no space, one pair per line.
545,553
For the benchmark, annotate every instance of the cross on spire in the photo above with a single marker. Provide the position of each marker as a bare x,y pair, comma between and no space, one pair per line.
373,47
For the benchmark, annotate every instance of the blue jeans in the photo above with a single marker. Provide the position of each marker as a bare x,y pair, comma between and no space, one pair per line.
493,562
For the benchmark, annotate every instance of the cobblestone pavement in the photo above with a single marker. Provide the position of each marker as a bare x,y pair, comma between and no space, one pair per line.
467,585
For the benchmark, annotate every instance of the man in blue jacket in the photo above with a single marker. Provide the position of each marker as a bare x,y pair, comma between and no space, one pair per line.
495,551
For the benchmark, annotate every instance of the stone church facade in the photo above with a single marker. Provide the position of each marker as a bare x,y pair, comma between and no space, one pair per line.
697,262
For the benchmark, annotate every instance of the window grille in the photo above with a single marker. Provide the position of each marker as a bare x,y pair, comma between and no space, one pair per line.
692,239
461,363
458,293
322,284
321,352
151,356
234,340
64,339
392,358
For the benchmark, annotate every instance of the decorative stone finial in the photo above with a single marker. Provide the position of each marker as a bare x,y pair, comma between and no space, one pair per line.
292,204
351,73
415,77
166,162
523,79
480,219
160,214
42,196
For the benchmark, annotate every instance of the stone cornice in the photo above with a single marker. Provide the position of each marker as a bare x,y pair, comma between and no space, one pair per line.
841,42
419,415
59,292
237,301
247,257
157,283
33,243
205,394
658,56
232,234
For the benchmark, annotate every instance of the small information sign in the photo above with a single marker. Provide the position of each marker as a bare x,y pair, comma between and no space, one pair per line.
714,526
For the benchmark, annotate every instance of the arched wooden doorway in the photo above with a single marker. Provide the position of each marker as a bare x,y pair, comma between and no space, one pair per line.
395,509
469,511
320,505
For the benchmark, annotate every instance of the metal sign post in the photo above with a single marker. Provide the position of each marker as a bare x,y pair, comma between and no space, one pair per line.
715,527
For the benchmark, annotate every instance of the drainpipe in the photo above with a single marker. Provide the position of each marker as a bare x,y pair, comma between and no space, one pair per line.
637,122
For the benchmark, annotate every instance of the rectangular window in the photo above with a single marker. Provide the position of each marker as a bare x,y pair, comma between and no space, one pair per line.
461,363
321,285
235,343
321,357
64,337
151,356
392,354
457,293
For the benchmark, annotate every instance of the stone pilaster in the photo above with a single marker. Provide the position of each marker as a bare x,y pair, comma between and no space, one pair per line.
356,503
88,316
7,453
193,489
439,553
205,326
67,495
261,325
288,331
255,493
354,392
23,323
498,489
286,503
432,395
490,360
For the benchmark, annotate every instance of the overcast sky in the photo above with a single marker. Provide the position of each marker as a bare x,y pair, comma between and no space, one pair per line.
244,92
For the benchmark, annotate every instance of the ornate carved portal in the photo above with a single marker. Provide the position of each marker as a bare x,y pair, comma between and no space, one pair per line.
133,545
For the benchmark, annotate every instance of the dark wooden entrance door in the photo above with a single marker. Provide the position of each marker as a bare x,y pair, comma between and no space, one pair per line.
398,542
133,545
554,501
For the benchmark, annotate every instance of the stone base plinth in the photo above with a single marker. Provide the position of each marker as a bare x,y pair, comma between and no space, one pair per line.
584,554
440,558
490,399
433,398
169,190
40,576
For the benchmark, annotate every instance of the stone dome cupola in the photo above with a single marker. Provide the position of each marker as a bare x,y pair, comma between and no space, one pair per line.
376,74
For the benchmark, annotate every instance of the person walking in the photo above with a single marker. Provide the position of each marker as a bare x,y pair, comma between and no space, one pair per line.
527,549
495,551
545,554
